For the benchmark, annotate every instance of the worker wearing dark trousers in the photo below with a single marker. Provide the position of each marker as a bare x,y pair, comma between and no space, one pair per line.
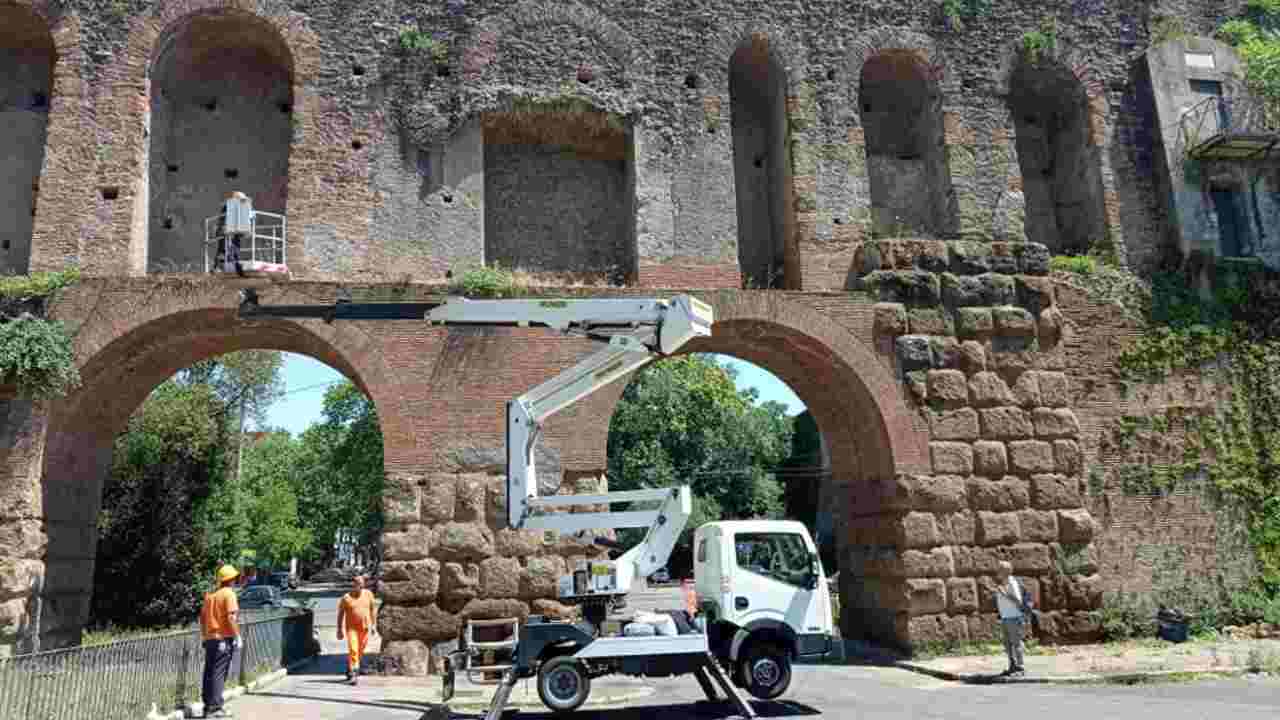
220,629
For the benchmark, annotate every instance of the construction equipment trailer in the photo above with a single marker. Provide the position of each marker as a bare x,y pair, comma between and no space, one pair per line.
762,595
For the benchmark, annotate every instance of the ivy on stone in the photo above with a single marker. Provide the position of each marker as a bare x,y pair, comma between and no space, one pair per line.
35,352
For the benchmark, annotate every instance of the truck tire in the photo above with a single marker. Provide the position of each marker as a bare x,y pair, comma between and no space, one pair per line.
766,670
563,684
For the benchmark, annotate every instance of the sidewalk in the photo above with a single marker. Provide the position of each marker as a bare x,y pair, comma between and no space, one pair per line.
319,691
1127,662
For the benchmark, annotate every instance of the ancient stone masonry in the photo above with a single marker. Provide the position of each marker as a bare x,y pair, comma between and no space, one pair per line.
976,335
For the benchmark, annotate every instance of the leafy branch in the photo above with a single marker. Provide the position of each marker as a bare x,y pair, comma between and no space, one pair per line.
35,353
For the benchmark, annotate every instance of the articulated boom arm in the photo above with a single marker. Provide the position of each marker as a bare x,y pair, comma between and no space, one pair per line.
635,332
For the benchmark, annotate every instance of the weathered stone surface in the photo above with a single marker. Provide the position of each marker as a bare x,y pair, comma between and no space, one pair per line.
1005,495
962,595
25,539
973,357
1033,559
926,596
1076,558
517,543
439,494
1038,525
410,583
976,560
1067,457
974,321
19,577
459,582
400,499
989,390
1006,423
499,577
959,528
961,292
940,493
930,629
949,386
410,658
427,623
1055,423
891,319
1026,390
944,351
1033,258
413,543
951,458
463,542
997,289
914,352
1049,323
916,530
1076,526
997,528
985,627
969,258
469,500
1013,320
959,424
1031,456
539,577
1035,293
1052,492
1054,388
494,609
917,383
13,615
930,321
990,459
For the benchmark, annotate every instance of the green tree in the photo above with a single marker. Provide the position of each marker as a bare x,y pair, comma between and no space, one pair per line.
682,421
271,487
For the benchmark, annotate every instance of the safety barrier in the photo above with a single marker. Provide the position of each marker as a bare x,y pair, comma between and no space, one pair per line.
123,680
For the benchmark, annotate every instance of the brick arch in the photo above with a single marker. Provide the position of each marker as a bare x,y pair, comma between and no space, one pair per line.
124,350
482,47
785,49
871,43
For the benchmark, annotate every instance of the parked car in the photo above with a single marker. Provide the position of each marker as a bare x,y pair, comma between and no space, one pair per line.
661,575
283,580
261,596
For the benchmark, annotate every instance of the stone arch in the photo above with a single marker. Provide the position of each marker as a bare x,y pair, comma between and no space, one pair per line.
899,78
1058,110
30,55
870,435
784,49
129,121
124,352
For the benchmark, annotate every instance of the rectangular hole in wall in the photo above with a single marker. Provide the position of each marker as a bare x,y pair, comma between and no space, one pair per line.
110,193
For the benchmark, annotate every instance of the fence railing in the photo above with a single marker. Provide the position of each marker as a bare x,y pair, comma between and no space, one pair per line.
122,680
1216,117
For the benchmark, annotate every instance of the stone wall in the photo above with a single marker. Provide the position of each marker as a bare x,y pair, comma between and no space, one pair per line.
27,55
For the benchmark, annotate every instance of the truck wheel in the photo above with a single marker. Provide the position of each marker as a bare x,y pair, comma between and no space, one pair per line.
563,684
766,670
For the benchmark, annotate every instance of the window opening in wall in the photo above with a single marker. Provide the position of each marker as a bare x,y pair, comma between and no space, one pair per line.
767,252
110,193
1061,175
559,191
27,58
1233,222
1199,60
906,157
220,111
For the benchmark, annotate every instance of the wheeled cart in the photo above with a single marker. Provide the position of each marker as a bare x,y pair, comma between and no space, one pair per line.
565,657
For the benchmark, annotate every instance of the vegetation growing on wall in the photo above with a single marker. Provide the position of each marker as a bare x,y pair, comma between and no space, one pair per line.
1228,338
35,352
1256,37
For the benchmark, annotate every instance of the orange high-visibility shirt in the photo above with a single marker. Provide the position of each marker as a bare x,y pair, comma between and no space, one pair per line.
357,612
215,615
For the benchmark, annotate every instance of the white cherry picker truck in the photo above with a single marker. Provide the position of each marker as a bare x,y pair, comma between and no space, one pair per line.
762,596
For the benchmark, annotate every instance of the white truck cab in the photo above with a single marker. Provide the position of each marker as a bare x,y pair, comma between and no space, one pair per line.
761,586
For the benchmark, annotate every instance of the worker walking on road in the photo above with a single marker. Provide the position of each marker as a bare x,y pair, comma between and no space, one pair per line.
357,619
220,630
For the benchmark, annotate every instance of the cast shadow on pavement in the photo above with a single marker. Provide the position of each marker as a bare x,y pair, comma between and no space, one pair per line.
701,710
331,664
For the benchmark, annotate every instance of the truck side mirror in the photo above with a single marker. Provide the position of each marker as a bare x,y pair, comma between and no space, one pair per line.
811,580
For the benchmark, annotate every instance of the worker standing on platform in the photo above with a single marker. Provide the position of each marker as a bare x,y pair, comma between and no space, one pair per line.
357,619
220,630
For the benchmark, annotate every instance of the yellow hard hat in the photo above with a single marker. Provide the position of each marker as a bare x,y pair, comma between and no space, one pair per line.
226,572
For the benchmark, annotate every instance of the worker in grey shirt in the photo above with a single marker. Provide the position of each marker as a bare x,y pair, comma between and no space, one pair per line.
1014,603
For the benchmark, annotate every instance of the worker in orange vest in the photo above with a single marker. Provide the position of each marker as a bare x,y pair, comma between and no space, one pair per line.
220,630
357,619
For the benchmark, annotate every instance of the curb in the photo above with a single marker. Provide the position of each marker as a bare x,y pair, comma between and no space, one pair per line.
1126,678
196,709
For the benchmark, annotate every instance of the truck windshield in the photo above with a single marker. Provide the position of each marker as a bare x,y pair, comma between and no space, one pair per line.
780,556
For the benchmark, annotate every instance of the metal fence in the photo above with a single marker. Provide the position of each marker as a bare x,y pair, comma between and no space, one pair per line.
123,680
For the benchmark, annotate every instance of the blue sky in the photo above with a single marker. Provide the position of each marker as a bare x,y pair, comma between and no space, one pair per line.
306,381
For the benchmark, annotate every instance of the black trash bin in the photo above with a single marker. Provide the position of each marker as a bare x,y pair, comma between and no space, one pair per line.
1171,625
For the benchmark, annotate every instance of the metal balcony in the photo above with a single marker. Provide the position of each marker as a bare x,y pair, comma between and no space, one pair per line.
1230,128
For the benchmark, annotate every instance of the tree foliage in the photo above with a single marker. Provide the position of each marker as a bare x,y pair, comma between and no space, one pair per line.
682,421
